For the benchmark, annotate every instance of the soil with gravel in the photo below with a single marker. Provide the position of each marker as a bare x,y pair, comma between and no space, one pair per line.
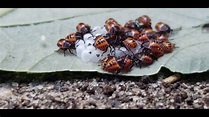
105,93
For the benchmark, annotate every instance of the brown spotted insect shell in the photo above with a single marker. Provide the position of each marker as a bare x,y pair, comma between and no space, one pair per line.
156,49
110,64
132,33
83,28
130,43
144,20
163,28
150,33
101,43
65,45
161,39
71,38
126,63
143,39
168,47
110,20
146,59
130,24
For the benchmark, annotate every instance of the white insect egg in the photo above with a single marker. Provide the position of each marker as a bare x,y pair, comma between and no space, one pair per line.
134,50
88,36
79,42
129,52
95,28
123,49
98,30
79,50
91,48
96,56
96,35
119,52
86,55
89,43
103,30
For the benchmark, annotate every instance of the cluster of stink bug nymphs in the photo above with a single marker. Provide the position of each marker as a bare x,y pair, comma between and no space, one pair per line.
119,47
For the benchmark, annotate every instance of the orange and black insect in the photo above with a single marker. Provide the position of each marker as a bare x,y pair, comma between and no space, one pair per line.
143,59
110,20
143,39
104,61
132,33
146,59
130,43
83,28
167,46
161,39
152,49
126,63
101,43
163,28
156,49
71,38
64,45
114,32
111,64
130,24
144,22
113,27
150,33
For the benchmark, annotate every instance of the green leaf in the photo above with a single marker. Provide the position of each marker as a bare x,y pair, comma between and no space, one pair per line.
22,48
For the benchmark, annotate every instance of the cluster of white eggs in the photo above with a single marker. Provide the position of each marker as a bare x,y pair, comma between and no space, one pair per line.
85,48
86,51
